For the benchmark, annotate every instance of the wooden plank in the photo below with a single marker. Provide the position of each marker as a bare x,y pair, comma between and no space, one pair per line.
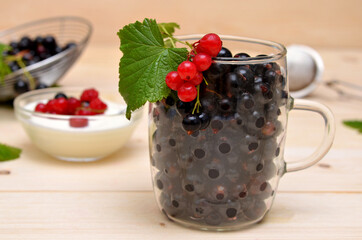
131,215
284,21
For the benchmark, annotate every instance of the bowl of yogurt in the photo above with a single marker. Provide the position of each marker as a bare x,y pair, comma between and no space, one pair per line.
61,136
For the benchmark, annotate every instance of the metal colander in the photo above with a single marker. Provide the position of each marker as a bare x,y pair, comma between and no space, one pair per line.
50,70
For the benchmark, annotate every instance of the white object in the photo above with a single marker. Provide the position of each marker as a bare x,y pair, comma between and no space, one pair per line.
103,134
305,70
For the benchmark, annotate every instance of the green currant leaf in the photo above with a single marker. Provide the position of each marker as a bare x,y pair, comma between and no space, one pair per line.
8,152
354,124
145,64
4,68
168,29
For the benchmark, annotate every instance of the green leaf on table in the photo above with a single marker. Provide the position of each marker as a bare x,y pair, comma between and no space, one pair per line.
354,124
145,64
168,29
4,68
8,152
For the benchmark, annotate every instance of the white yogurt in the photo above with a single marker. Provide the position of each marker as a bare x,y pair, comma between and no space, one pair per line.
103,135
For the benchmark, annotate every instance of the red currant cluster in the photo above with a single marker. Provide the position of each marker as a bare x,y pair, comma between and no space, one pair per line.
88,104
189,73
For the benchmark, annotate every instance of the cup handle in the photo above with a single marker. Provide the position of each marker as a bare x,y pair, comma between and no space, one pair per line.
329,130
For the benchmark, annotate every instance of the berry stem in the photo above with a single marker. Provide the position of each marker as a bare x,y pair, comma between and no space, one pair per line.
217,94
173,39
205,81
26,73
169,35
23,67
197,103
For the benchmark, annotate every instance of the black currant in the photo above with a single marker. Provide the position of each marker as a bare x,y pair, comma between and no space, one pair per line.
184,108
170,101
21,86
191,122
216,72
241,55
49,43
204,120
247,101
41,86
60,95
26,43
38,40
224,52
246,76
232,84
14,66
270,77
227,105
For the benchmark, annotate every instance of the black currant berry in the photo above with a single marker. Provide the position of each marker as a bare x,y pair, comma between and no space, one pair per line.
246,76
231,212
184,108
227,105
191,122
60,95
21,86
216,72
232,84
38,40
204,120
14,66
224,52
49,43
41,86
241,55
26,43
270,77
170,101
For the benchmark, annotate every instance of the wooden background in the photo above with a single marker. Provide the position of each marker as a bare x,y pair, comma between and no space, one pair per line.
318,23
44,198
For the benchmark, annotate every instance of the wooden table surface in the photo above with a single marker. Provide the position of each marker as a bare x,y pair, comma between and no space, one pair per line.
45,198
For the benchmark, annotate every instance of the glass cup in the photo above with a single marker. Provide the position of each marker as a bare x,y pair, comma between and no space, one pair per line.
219,168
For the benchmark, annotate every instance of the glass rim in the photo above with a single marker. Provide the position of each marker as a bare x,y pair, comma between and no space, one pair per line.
57,57
282,51
59,19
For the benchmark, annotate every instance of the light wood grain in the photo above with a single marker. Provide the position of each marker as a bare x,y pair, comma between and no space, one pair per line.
313,22
134,215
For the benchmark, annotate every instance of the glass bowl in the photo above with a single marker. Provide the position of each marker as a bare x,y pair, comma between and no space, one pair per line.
48,71
53,134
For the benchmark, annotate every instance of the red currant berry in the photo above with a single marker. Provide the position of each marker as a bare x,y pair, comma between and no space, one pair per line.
187,70
210,44
197,79
202,62
85,112
88,95
187,92
98,106
60,106
50,106
73,104
78,122
173,80
41,107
